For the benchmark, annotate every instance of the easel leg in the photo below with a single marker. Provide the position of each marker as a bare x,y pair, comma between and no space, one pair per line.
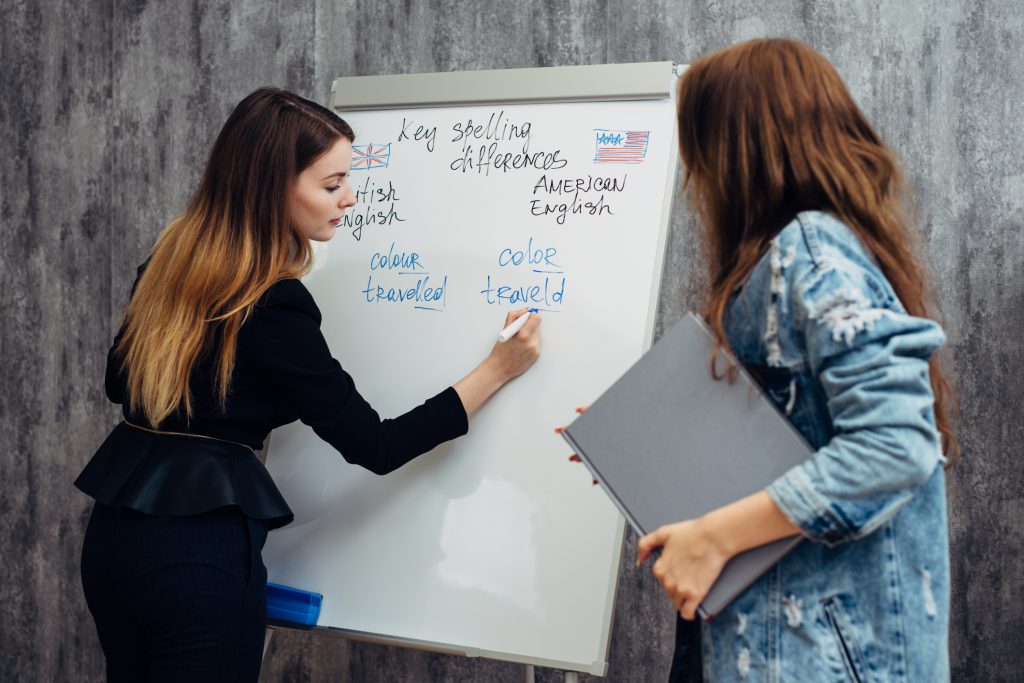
570,676
266,641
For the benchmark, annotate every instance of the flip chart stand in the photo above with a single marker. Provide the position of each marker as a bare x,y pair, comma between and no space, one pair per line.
622,95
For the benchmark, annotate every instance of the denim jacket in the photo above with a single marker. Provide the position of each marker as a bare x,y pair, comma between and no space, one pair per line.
866,596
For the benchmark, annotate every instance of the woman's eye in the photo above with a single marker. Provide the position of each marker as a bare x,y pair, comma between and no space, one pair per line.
335,188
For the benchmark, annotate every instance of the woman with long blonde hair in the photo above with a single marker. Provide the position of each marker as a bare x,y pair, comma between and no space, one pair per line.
220,344
815,288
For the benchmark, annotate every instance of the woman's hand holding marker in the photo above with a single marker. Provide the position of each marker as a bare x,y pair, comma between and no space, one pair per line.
518,345
507,360
516,324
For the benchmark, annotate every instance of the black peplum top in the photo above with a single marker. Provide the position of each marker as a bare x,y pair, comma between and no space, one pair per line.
283,372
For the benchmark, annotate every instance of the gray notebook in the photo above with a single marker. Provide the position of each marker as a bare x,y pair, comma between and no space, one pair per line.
669,442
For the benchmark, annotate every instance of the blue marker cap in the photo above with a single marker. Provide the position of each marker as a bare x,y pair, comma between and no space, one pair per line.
292,607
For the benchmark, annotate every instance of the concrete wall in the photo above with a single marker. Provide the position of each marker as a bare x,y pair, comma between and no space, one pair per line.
107,111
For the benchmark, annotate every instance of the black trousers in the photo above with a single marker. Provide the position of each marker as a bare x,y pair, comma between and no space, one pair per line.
177,598
687,664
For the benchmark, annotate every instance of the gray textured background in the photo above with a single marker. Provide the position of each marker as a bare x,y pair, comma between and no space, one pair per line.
106,114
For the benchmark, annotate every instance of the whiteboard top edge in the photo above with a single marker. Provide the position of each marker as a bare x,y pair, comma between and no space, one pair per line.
587,83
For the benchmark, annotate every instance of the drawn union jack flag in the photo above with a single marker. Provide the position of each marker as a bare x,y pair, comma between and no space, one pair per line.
620,146
365,157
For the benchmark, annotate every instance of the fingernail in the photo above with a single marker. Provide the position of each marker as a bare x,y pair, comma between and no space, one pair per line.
595,482
580,409
559,430
575,458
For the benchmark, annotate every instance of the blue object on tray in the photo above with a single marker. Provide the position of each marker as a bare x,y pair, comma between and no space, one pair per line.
292,607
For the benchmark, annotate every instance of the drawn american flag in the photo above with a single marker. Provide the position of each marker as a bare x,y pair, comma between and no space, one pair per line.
620,146
365,157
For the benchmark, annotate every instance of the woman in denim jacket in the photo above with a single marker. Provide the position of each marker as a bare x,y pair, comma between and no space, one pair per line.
815,289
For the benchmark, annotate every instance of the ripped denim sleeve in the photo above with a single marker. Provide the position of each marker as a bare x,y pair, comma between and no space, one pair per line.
871,359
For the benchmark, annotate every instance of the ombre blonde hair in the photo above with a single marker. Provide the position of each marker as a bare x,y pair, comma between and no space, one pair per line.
210,265
767,129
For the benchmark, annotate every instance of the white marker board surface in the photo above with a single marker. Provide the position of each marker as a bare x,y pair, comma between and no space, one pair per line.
494,544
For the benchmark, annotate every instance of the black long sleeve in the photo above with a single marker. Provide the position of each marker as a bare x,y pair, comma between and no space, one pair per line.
283,344
284,371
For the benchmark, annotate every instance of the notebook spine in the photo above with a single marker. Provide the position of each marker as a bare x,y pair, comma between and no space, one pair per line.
599,481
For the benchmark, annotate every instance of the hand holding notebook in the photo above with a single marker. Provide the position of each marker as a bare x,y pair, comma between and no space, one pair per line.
669,442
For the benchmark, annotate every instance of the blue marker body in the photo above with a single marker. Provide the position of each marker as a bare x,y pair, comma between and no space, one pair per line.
292,607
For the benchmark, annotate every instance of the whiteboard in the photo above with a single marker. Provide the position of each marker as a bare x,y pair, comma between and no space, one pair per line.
494,544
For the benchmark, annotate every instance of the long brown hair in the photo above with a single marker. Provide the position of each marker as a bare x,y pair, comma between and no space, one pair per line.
767,129
211,264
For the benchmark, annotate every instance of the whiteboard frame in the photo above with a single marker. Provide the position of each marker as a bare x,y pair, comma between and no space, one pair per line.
592,83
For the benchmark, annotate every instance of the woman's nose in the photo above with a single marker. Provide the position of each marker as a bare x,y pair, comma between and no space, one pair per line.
348,199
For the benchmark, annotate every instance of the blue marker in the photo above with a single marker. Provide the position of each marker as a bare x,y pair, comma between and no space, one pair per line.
515,326
288,606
